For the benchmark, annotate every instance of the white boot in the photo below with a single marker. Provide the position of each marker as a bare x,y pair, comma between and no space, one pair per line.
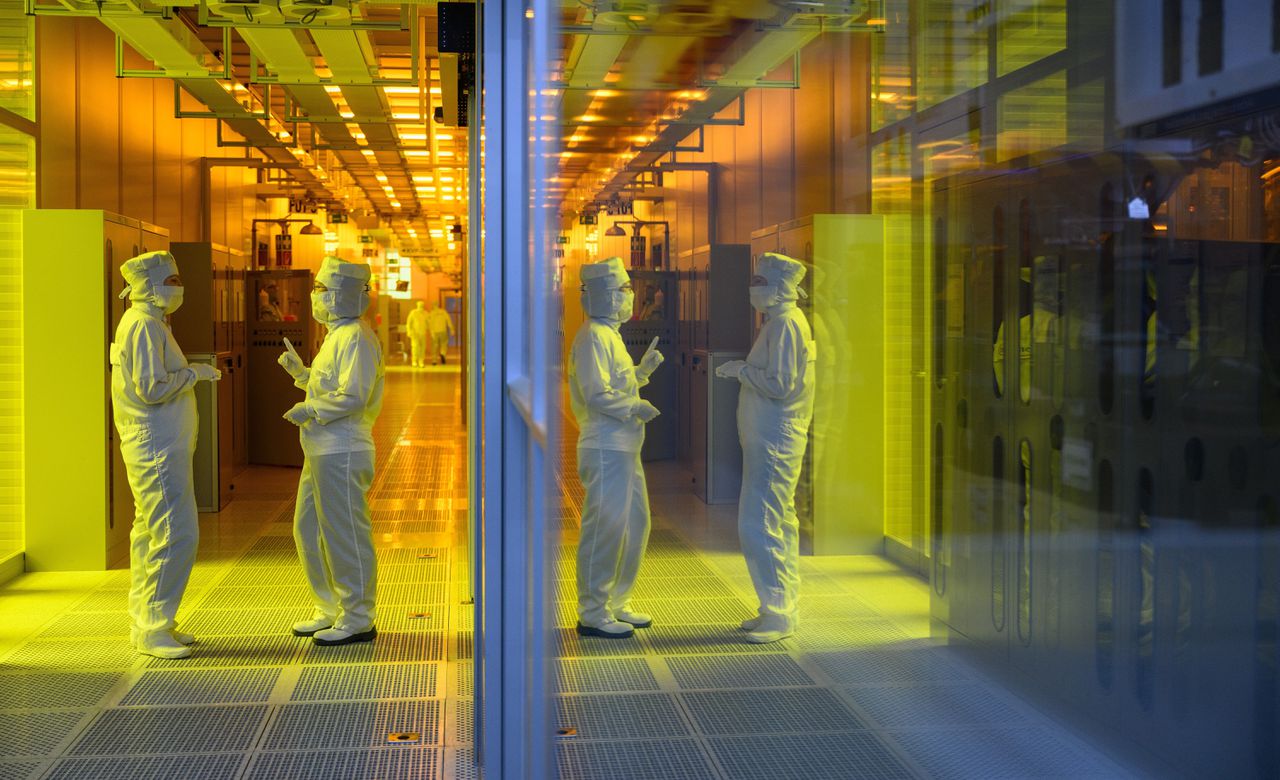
329,637
750,624
309,627
161,645
609,629
183,637
635,619
770,628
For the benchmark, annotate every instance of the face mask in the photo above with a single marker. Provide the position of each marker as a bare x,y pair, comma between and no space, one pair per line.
322,306
624,303
169,298
763,297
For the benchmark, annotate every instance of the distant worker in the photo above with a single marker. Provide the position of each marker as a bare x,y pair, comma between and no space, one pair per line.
268,305
604,393
416,325
331,523
154,406
775,407
441,326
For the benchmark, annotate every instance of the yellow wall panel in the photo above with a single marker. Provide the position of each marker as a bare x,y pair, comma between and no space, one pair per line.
98,92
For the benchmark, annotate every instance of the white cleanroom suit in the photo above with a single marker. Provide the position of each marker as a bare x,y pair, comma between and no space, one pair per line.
441,326
331,524
604,392
775,407
154,410
416,325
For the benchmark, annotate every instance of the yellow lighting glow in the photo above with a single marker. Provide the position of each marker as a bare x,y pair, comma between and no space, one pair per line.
400,90
606,93
395,204
414,115
589,118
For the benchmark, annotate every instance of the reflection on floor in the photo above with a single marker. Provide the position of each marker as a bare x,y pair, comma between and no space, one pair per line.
860,691
253,701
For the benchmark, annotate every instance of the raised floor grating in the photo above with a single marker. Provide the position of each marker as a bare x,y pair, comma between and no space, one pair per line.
35,733
772,711
255,598
668,759
244,622
202,686
705,639
389,647
276,649
759,671
847,634
460,764
461,721
211,766
879,667
808,756
112,600
171,730
20,770
621,716
338,683
356,725
675,587
73,654
88,624
402,762
569,644
1001,754
601,675
50,691
466,675
916,706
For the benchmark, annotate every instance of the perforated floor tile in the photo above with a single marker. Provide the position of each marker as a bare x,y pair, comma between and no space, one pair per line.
705,639
171,730
88,624
339,683
808,756
113,600
465,680
412,556
624,716
847,634
460,715
759,671
773,711
829,607
413,573
390,646
689,611
460,764
275,649
596,675
212,766
73,654
49,691
35,733
203,686
244,622
569,644
679,587
297,597
918,706
463,646
264,576
878,667
1006,754
656,568
20,770
672,759
357,725
412,594
407,762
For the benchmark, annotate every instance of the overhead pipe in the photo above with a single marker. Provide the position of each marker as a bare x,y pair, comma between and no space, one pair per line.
713,190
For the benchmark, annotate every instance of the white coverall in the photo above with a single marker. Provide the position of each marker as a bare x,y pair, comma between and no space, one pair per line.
441,326
344,387
154,410
604,393
416,325
775,407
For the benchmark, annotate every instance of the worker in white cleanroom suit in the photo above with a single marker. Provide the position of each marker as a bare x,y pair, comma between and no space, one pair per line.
154,406
441,327
331,524
417,327
775,407
604,392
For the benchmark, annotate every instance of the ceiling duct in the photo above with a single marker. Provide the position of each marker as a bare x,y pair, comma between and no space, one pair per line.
247,11
308,11
693,18
624,13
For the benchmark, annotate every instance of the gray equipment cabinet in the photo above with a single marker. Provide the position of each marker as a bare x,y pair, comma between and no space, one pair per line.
655,318
715,451
214,463
279,308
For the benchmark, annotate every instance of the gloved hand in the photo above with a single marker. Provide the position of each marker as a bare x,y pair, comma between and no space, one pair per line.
291,364
298,415
650,362
731,370
205,373
645,410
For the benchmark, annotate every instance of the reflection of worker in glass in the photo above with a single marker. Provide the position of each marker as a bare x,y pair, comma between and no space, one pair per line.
604,392
268,304
441,326
154,406
654,307
775,407
331,523
417,327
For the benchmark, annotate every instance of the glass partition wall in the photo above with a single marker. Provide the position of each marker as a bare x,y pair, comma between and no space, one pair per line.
1039,239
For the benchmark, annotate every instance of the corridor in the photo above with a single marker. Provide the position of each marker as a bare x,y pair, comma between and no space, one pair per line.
253,701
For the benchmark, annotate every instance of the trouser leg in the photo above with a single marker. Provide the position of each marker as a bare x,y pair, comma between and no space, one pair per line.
344,481
164,536
605,512
310,542
440,346
635,522
767,525
418,345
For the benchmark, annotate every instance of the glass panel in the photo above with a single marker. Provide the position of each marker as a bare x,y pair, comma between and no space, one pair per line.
1029,31
17,192
17,59
951,47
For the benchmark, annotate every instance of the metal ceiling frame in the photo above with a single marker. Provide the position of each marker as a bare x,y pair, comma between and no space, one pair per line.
264,115
125,73
213,20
